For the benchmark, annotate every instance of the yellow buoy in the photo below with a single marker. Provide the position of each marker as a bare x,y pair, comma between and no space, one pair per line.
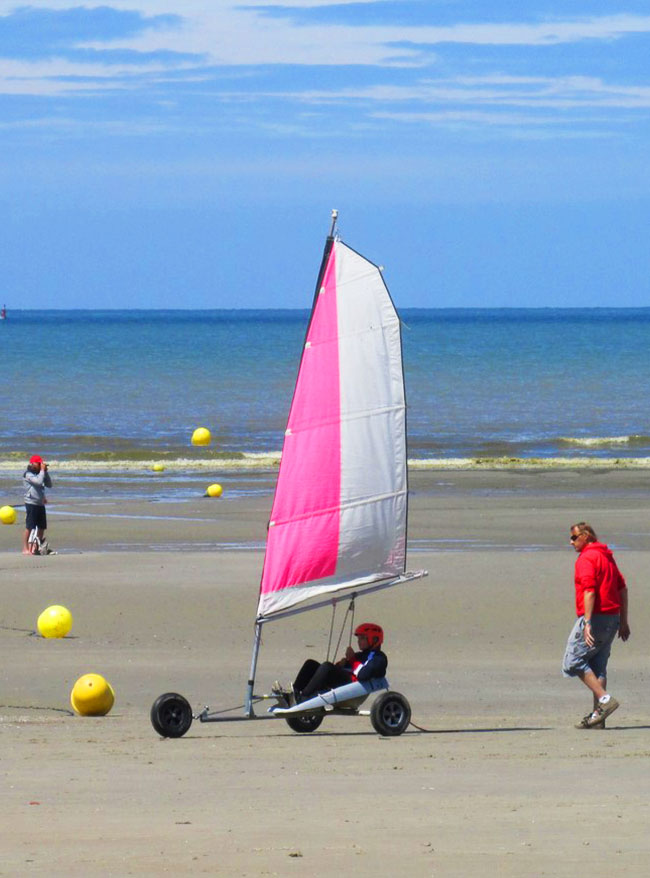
158,468
92,695
214,491
56,621
7,514
201,436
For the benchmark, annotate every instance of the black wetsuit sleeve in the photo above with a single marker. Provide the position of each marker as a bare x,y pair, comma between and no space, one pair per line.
375,667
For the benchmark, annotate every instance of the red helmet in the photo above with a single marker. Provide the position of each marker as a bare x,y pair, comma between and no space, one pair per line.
374,633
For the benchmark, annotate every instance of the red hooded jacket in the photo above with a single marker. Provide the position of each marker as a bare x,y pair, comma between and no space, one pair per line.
596,571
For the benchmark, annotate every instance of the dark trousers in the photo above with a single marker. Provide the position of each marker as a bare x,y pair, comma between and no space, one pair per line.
35,516
314,677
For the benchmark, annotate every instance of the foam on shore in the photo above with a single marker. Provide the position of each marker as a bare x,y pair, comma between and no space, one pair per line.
253,461
269,461
531,463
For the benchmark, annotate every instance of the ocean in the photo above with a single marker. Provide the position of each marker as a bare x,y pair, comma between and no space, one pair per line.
118,389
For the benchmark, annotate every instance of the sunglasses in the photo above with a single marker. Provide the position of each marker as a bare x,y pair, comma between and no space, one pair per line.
574,537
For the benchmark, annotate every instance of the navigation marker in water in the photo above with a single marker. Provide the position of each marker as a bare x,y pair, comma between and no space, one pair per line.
201,436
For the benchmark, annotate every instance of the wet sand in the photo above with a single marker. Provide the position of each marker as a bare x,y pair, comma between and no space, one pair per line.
163,597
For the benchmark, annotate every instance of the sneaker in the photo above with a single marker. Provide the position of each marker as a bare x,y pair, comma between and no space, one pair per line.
285,695
591,722
601,712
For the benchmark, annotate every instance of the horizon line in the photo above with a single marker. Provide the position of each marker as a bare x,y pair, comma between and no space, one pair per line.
307,308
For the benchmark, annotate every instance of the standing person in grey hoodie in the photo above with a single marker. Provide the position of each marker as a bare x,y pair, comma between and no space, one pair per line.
35,480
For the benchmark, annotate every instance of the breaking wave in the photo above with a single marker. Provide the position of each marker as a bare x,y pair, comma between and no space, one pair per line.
631,441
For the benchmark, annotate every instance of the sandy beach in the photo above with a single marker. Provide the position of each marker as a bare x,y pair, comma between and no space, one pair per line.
163,598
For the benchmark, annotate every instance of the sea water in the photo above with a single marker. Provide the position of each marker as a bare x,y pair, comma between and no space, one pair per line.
117,388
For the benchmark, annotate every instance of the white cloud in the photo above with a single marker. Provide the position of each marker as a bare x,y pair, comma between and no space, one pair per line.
222,33
498,90
231,35
227,34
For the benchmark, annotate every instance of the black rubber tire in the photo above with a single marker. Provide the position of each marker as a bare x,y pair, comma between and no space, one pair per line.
304,724
171,715
390,714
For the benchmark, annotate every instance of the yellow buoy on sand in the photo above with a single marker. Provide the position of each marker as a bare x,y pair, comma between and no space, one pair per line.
7,514
214,491
158,468
201,436
92,695
55,621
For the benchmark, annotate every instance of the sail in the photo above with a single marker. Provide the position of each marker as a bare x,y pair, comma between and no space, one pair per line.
339,513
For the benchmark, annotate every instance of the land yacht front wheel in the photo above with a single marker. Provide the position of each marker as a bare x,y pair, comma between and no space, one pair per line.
171,715
390,714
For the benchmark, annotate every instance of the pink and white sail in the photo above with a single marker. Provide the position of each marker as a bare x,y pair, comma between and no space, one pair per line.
339,514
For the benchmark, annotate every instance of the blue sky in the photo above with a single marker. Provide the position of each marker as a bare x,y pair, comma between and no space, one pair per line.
187,154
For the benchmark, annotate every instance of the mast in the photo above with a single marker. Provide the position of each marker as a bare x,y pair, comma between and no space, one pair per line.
329,241
257,637
248,702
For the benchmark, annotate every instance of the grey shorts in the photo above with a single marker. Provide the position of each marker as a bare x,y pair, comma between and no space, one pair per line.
579,657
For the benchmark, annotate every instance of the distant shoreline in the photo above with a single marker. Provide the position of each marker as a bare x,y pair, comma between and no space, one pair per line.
269,462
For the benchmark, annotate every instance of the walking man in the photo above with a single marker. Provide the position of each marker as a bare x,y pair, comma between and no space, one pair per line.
601,607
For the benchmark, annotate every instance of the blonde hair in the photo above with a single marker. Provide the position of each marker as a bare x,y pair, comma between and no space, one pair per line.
584,528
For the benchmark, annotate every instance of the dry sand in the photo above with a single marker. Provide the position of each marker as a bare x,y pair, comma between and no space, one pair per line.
502,784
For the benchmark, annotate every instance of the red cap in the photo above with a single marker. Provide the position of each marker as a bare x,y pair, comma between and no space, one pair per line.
36,458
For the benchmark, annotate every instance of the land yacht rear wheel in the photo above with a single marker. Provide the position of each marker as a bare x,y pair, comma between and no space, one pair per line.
390,714
171,715
303,724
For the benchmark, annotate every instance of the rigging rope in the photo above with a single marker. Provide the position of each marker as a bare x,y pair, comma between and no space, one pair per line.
350,609
329,642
